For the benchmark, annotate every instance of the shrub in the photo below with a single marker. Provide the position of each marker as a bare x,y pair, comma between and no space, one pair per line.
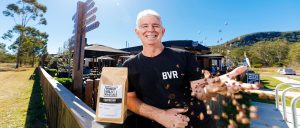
256,65
53,63
67,82
62,74
52,72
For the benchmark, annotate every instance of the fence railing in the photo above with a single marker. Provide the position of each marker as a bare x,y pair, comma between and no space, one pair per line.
91,92
293,102
64,109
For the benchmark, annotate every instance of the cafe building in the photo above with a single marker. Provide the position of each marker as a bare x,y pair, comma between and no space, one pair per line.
202,53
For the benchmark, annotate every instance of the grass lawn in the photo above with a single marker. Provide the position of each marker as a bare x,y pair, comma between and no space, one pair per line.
266,98
7,67
270,83
296,79
20,100
266,71
288,102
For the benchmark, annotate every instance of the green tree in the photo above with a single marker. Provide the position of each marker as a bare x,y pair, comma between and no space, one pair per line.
236,55
261,53
294,54
35,44
280,50
2,52
2,48
65,60
23,12
269,53
5,57
219,49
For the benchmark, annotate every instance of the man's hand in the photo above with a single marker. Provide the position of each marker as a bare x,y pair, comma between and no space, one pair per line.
209,87
172,118
234,85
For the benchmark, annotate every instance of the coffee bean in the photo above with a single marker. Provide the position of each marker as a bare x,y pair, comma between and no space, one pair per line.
224,115
201,116
216,117
209,112
172,96
167,86
253,109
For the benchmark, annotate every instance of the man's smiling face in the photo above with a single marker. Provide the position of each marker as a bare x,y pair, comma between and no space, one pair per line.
150,30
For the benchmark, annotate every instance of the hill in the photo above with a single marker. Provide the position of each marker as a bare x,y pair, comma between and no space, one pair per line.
250,39
263,48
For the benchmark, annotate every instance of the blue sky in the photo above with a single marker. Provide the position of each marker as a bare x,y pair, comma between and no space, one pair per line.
198,20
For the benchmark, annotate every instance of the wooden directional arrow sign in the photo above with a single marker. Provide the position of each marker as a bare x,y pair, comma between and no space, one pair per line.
91,12
88,1
90,20
92,26
89,6
73,18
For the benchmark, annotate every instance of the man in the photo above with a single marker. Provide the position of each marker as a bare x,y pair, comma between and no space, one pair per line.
119,63
165,88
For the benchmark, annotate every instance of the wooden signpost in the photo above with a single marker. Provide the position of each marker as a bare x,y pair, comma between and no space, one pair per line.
84,16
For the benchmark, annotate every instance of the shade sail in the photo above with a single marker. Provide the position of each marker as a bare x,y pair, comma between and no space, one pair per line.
96,50
127,56
105,58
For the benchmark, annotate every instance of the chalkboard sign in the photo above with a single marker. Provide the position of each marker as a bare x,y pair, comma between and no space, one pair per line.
253,78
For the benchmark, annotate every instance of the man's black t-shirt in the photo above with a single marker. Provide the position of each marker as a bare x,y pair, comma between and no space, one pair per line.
163,81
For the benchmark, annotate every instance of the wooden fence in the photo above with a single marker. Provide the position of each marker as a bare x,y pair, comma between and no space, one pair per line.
64,109
91,92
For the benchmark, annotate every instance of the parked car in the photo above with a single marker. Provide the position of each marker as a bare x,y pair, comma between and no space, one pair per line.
287,71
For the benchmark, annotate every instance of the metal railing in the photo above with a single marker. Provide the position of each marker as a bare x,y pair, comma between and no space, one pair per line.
293,102
294,112
277,89
283,101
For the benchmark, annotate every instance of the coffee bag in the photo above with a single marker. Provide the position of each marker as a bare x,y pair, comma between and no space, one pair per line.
112,93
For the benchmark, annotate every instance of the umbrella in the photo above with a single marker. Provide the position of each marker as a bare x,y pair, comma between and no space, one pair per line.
105,58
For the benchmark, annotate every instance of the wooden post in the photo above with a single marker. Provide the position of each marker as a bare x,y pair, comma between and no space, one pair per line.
89,93
96,85
79,49
84,10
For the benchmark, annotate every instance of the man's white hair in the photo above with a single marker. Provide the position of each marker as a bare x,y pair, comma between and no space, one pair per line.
147,12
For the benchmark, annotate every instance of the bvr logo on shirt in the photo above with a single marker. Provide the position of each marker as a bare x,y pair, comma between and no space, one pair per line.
170,75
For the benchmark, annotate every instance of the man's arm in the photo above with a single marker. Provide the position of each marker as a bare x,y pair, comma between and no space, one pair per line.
138,107
168,118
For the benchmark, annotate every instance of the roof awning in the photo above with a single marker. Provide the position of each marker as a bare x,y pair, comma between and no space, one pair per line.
105,58
211,55
127,56
96,50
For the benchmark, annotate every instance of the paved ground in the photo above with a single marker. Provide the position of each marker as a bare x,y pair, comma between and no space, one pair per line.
294,76
286,79
282,79
270,117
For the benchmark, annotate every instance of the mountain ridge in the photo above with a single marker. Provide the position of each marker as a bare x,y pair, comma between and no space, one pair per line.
252,38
